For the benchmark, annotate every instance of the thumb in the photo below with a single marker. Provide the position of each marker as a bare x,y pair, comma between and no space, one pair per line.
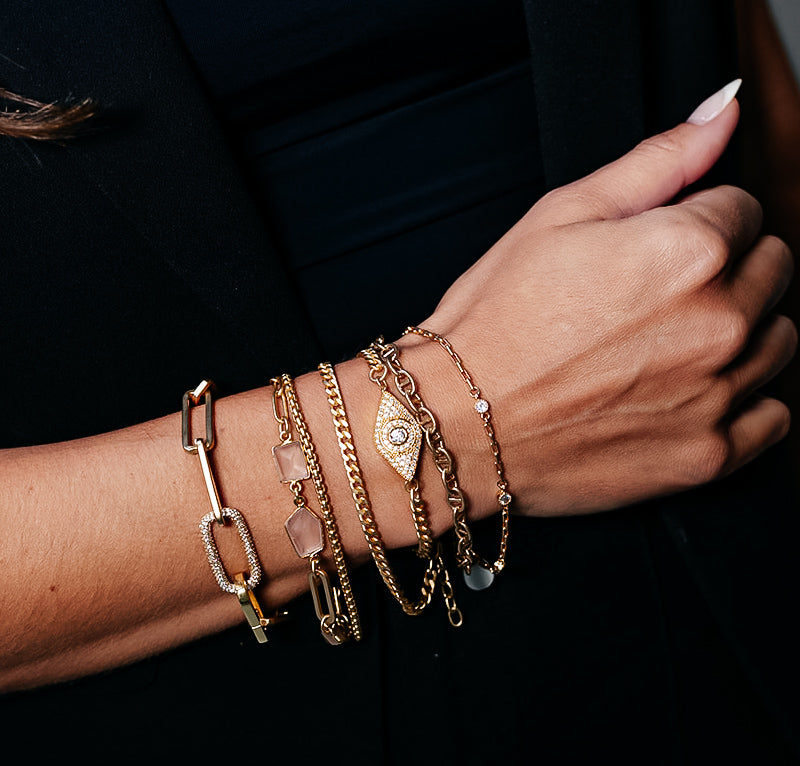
657,169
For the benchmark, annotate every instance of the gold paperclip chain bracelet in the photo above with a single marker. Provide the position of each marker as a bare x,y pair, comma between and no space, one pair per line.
243,583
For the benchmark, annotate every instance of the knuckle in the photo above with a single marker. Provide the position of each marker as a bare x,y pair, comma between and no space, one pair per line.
727,337
783,420
592,201
550,200
744,203
735,334
698,250
784,330
790,335
784,259
752,206
659,145
707,459
711,251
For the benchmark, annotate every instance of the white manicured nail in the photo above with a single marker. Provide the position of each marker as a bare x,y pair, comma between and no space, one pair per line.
714,105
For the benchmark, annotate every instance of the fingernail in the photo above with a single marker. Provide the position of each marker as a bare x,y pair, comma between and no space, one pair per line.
714,105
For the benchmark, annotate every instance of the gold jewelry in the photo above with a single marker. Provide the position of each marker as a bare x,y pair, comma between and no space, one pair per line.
364,507
398,438
243,583
504,499
390,418
295,462
465,553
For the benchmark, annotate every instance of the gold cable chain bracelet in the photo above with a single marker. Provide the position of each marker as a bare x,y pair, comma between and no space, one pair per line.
481,406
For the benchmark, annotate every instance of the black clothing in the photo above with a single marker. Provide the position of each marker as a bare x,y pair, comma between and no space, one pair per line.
375,137
651,635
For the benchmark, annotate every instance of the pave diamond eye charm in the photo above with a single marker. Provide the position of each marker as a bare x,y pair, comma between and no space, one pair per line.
398,436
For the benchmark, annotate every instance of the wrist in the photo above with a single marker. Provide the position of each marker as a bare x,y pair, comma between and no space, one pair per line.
448,396
367,498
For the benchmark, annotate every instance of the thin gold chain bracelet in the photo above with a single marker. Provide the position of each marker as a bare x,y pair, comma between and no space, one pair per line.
296,461
504,498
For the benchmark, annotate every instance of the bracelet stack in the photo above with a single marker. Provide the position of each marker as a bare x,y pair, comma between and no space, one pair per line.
404,426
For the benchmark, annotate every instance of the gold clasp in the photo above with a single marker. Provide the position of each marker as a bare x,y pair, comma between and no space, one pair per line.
252,609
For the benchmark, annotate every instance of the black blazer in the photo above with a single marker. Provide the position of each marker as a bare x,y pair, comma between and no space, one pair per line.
135,263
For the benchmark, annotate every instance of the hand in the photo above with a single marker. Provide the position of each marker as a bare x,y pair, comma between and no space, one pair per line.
621,336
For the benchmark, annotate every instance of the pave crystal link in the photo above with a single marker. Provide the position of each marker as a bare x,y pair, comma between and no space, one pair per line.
481,406
243,583
364,507
335,626
397,436
253,575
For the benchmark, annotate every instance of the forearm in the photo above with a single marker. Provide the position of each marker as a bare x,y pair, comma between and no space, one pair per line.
104,543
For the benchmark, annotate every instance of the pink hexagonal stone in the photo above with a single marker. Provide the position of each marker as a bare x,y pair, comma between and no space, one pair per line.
305,531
